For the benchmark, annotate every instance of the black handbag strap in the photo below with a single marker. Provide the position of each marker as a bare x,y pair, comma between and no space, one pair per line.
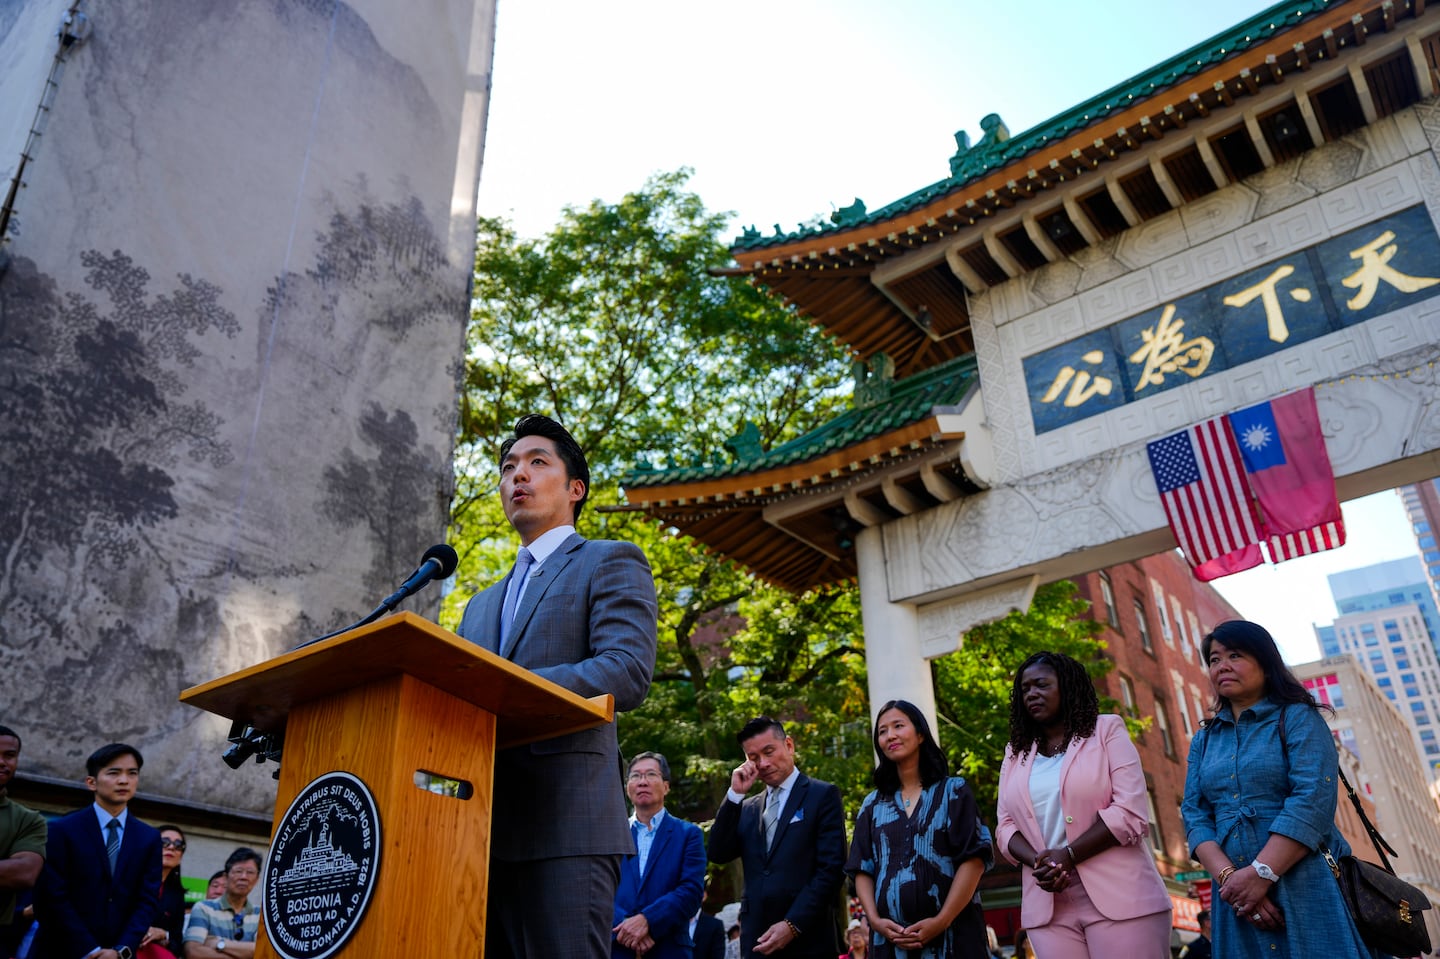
1381,846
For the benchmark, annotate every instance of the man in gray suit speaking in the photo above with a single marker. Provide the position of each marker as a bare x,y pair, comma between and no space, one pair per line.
582,614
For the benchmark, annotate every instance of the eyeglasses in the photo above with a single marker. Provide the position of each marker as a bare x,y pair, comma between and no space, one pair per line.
649,775
166,843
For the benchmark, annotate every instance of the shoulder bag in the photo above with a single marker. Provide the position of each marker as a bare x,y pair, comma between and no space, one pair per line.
1386,909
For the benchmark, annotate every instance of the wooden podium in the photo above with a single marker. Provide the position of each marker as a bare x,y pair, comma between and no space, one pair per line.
402,704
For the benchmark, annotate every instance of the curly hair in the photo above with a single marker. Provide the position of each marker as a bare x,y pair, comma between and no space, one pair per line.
933,765
1079,705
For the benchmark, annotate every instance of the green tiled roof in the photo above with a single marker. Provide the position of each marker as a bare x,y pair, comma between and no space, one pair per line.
974,163
882,406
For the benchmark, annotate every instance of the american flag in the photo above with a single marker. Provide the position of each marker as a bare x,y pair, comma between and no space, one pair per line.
1206,498
1317,540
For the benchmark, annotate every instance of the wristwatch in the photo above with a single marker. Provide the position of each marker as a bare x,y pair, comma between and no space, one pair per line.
125,952
219,945
1264,871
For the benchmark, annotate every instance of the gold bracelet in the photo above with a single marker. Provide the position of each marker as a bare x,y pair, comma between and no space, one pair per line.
1224,874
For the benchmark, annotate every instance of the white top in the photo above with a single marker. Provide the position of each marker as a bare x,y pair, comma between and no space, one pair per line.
1045,798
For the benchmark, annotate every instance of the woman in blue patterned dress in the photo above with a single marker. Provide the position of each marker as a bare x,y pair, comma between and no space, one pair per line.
1260,794
919,848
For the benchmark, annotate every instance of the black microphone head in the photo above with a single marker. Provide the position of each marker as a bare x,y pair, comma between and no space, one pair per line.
445,555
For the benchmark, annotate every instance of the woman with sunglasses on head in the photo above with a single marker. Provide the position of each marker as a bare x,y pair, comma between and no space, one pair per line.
168,929
919,848
1073,814
1260,792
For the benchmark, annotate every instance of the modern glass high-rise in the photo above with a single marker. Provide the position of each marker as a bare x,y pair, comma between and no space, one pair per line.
1388,621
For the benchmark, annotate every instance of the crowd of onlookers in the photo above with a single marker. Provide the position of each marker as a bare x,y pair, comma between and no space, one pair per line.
101,884
1072,815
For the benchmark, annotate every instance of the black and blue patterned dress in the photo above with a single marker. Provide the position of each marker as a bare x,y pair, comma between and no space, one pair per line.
913,860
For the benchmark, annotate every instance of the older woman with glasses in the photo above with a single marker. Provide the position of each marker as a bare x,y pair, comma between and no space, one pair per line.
169,928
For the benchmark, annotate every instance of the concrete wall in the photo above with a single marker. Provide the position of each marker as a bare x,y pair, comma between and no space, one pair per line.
232,311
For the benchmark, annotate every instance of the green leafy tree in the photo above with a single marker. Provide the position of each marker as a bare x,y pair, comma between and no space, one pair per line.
972,686
614,324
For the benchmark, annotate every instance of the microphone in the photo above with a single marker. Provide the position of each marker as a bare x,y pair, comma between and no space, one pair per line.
438,562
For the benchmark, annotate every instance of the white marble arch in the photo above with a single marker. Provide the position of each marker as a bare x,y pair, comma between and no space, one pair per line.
1082,497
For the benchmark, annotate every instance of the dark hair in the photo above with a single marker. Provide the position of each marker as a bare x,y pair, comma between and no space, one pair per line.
106,755
7,731
219,874
1079,705
534,424
664,766
933,764
1202,916
759,725
172,828
243,854
1256,641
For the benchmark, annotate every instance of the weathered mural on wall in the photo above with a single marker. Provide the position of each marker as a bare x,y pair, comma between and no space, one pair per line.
232,309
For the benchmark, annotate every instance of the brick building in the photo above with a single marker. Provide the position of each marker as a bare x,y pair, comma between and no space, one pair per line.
1155,614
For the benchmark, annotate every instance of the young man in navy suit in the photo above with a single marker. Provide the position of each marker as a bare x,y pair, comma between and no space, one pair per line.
662,884
791,839
100,888
582,614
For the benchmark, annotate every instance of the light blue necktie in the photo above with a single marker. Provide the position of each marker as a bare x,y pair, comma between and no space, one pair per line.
512,597
112,842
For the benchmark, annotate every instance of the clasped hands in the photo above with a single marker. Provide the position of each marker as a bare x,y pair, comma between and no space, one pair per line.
634,933
1050,869
913,936
1249,895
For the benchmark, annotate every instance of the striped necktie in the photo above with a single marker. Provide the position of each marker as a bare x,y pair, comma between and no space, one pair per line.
112,842
772,816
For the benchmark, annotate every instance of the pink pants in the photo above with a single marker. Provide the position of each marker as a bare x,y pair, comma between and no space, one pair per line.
1077,930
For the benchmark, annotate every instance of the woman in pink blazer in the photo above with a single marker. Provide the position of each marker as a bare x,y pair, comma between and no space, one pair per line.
1072,814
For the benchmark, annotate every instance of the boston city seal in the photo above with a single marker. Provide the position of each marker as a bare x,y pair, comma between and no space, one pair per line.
322,869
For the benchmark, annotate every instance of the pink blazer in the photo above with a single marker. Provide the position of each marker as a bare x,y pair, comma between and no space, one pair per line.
1099,775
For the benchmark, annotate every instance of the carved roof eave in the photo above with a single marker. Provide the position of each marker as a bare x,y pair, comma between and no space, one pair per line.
864,246
765,485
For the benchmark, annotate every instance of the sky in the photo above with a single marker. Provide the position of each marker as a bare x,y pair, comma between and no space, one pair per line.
788,110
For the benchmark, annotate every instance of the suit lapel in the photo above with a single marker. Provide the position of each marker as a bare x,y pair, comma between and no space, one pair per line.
541,579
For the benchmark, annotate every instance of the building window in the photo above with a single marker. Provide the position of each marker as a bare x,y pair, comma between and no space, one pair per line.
1127,694
1143,623
1107,593
1157,842
1162,723
1165,633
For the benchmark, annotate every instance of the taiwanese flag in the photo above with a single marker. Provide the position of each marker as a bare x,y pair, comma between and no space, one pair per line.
1289,472
1202,486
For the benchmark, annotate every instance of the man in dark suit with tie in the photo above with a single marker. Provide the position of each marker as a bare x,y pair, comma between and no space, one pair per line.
662,884
580,613
791,840
100,888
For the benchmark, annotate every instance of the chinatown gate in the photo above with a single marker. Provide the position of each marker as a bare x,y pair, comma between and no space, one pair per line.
1256,215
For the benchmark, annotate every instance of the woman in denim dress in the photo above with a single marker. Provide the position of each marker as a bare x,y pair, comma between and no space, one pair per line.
1257,808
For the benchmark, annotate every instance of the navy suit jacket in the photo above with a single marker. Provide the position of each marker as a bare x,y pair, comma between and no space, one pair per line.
709,938
670,891
799,877
586,622
80,904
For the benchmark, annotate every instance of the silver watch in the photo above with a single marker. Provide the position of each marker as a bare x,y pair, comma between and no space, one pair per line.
1264,871
220,945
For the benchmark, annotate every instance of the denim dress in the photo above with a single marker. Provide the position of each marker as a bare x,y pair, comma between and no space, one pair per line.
1241,786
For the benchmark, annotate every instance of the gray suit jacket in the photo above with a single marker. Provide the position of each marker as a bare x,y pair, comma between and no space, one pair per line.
586,622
